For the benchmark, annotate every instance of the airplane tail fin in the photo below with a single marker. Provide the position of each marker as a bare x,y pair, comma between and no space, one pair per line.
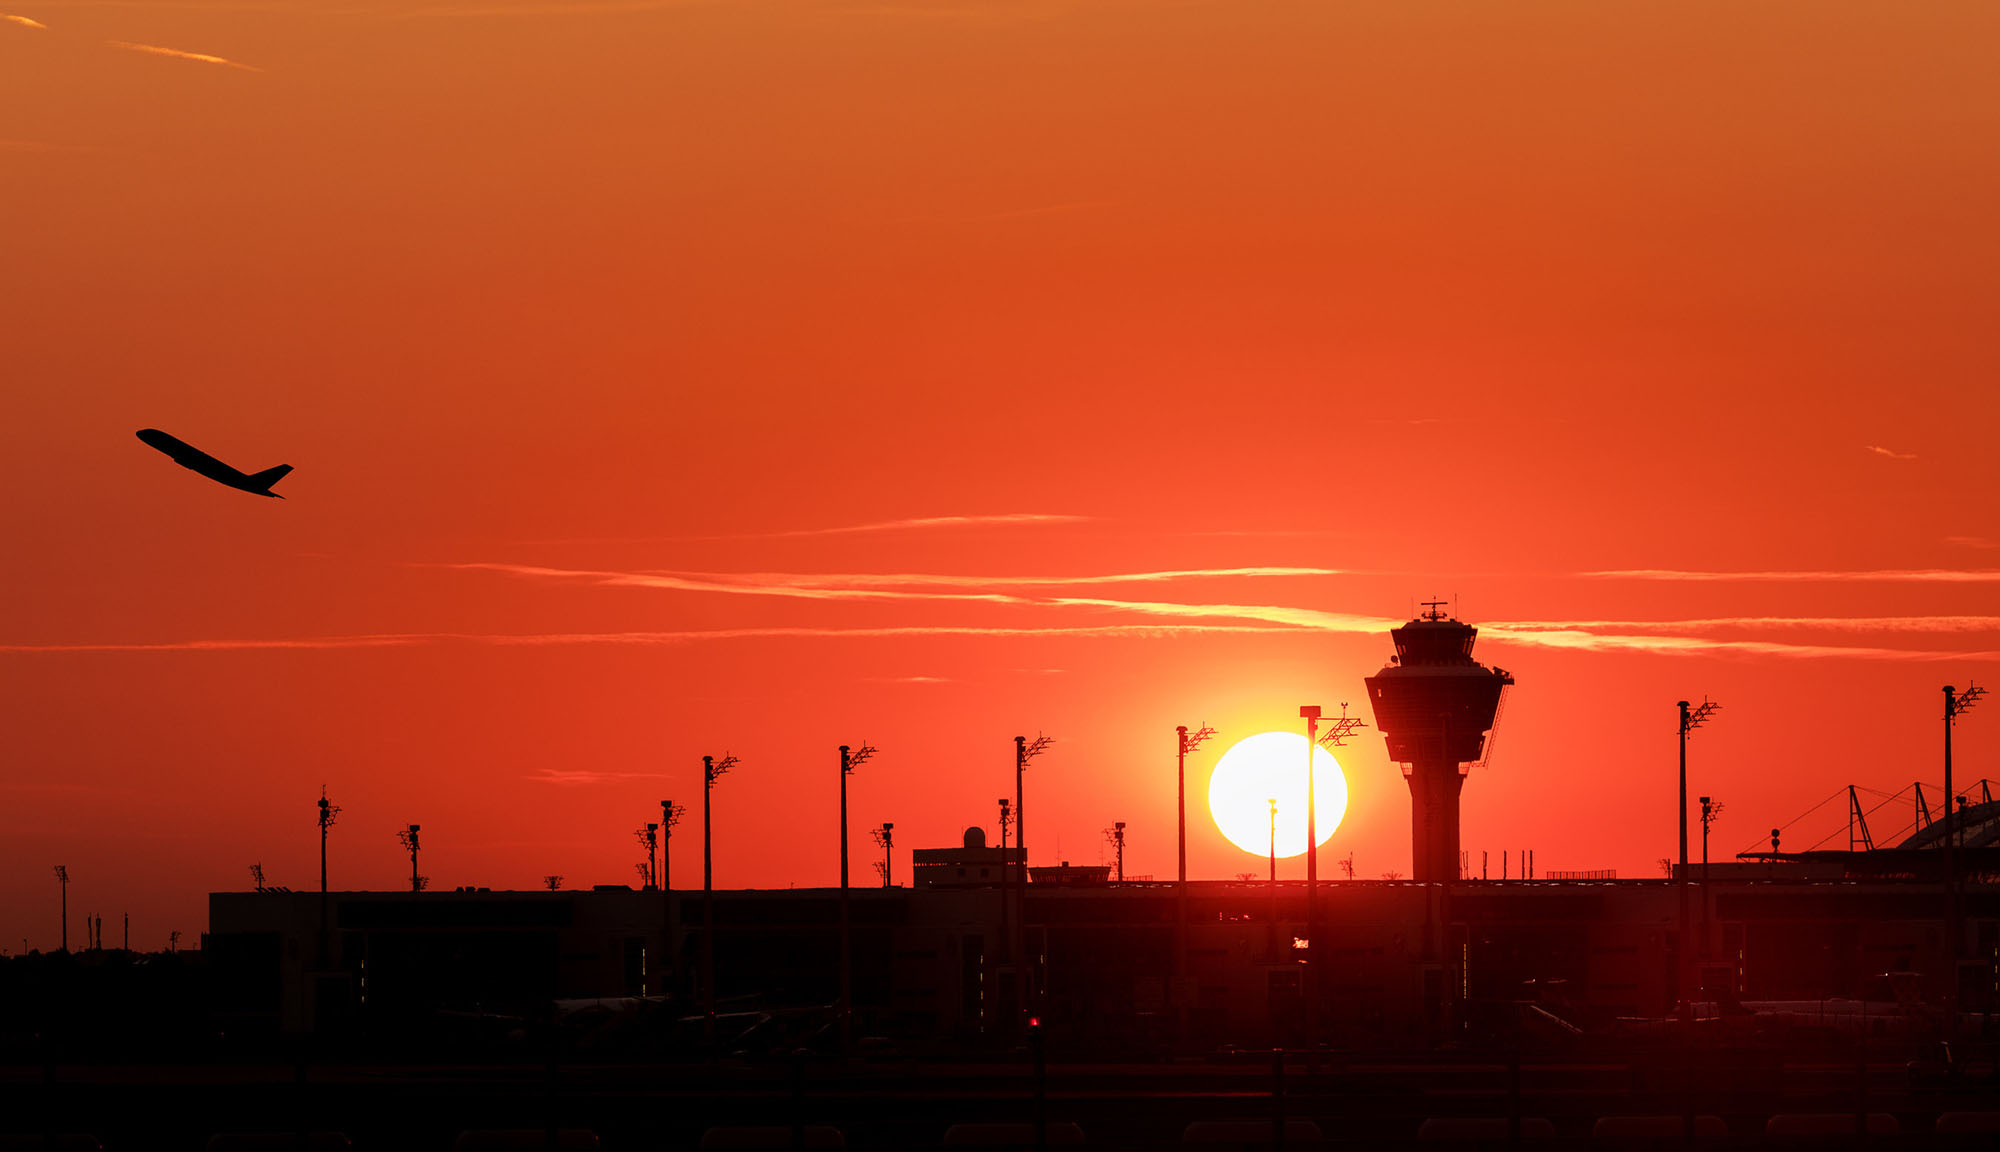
269,476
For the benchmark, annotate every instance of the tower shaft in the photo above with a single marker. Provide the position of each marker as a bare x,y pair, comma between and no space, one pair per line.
1434,704
1434,789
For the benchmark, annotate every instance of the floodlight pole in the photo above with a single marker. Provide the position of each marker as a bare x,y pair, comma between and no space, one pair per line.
710,769
1337,733
849,761
1311,713
1184,743
1005,943
409,838
1709,811
1955,704
1689,721
1024,986
885,836
1273,802
653,855
327,812
62,881
670,815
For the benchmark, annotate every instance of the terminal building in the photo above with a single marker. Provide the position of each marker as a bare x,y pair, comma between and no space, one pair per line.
958,960
1399,964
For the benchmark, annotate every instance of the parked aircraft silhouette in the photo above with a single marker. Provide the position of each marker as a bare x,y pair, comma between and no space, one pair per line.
187,456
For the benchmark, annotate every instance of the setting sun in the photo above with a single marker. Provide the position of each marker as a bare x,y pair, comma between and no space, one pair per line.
1272,766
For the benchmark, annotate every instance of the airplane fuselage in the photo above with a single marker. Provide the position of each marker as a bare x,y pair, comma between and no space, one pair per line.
195,460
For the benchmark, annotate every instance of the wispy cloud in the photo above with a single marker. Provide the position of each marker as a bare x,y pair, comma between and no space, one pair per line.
1910,575
1973,541
23,21
1582,640
177,54
912,679
866,585
999,520
1190,620
576,776
1891,453
939,580
311,642
702,582
1914,624
528,8
640,639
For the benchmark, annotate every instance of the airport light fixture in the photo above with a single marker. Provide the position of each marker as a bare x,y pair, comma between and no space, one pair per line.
552,882
850,759
649,839
1310,713
408,838
1689,721
328,812
1185,743
885,839
62,881
1006,877
1024,751
1273,802
257,876
1956,704
711,770
670,815
1115,836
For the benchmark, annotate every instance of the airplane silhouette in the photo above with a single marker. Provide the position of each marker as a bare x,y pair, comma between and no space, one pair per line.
187,456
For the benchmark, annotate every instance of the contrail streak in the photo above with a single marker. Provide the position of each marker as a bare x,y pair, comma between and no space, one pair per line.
23,21
575,776
676,583
636,638
922,579
1932,624
1001,519
177,54
1911,575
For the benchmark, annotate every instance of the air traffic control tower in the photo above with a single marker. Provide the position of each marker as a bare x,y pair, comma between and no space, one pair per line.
1435,704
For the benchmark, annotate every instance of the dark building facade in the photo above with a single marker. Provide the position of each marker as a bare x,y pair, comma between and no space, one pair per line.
1400,965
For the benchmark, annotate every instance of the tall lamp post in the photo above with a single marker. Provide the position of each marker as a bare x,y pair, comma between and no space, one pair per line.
1337,732
1005,943
711,769
1184,743
849,761
1710,809
670,815
327,813
62,881
1955,705
885,839
1689,721
1024,751
648,837
408,838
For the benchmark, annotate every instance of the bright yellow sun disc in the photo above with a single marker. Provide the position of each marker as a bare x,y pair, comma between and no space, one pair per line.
1272,766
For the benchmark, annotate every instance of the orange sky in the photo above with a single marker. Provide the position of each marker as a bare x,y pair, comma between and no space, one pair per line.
1448,299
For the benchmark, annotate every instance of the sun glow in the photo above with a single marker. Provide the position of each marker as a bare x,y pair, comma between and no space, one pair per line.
1272,766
